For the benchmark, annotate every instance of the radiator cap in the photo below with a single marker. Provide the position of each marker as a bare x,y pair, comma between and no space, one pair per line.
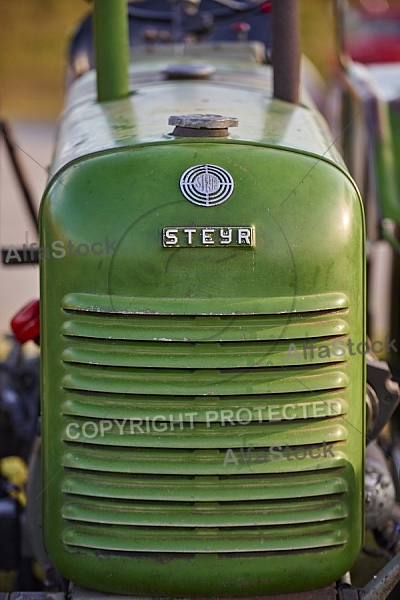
199,125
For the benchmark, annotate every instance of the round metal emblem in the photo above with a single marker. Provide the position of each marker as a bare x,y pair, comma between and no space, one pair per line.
206,185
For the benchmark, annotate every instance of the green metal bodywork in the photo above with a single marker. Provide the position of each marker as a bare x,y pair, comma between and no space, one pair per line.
147,332
112,58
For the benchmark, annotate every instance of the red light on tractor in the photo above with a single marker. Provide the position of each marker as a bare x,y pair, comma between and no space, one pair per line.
26,323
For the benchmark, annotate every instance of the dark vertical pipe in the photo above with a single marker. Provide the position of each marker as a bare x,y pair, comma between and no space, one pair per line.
340,29
286,49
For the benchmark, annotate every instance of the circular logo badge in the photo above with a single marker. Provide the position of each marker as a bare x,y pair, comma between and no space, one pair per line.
206,185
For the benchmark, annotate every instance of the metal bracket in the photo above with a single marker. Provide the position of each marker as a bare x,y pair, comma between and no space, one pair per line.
349,593
326,593
380,379
33,596
382,584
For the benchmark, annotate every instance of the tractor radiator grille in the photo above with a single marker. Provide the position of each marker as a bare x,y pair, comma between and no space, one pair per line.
157,438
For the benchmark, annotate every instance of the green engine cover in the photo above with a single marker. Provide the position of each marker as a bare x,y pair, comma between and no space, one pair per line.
203,395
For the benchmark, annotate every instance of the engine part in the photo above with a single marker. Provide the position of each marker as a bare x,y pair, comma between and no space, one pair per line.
379,488
382,396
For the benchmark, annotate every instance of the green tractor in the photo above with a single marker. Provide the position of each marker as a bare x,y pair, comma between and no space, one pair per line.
204,354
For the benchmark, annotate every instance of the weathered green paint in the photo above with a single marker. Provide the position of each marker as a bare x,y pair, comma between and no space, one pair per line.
147,331
112,49
394,117
385,165
89,127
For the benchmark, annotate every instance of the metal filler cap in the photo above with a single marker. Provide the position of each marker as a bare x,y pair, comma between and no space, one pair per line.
202,125
189,71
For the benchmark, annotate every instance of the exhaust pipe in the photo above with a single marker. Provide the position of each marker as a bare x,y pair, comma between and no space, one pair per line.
112,49
286,49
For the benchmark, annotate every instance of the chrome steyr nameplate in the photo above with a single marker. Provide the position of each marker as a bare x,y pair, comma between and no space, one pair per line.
206,185
208,237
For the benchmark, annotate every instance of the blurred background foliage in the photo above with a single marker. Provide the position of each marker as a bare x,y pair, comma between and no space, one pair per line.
33,43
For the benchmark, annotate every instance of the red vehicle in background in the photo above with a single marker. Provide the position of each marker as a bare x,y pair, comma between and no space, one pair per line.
373,32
